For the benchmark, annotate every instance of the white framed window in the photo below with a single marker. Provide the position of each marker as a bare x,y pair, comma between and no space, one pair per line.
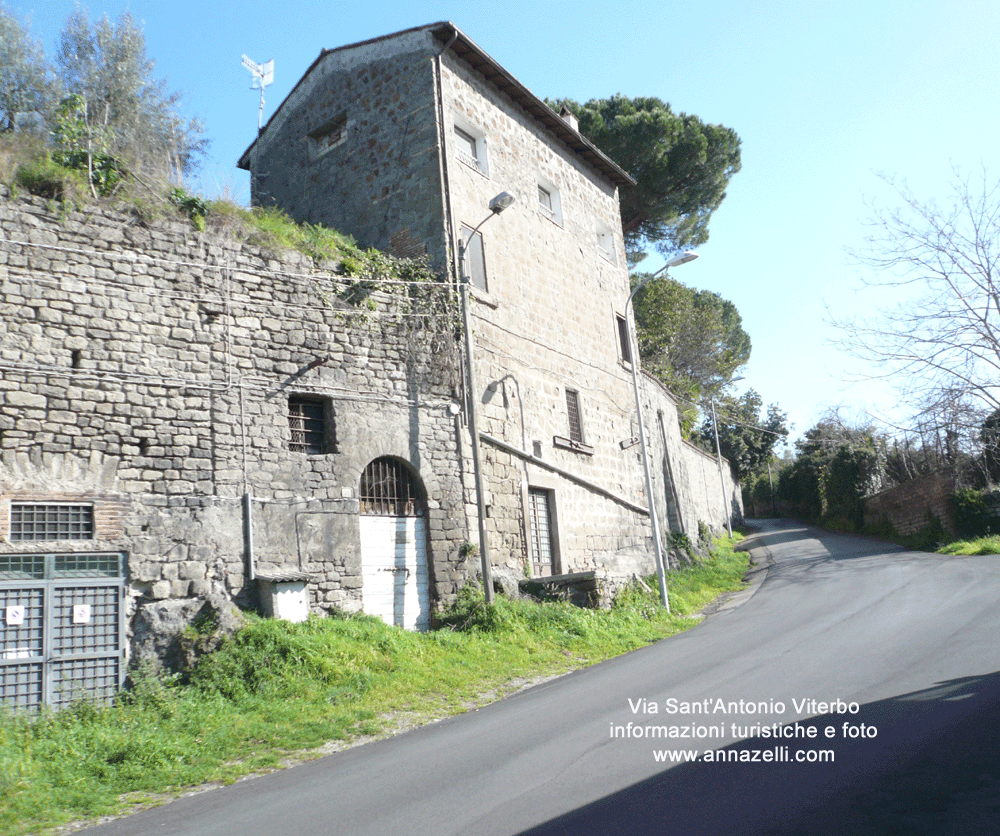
475,258
329,135
606,243
470,147
549,203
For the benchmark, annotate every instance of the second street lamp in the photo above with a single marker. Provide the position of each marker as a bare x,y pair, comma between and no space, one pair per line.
657,545
496,206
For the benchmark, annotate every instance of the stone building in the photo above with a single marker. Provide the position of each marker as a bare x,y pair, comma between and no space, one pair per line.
402,141
185,417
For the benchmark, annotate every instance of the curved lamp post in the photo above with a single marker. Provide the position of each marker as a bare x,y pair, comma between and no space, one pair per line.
657,545
496,206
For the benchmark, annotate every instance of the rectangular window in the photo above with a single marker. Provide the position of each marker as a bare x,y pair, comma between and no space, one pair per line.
545,199
466,144
573,411
624,343
606,243
543,560
475,258
307,420
51,522
549,202
470,148
328,135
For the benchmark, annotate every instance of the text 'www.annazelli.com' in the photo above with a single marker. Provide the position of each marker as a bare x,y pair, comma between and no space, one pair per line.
777,754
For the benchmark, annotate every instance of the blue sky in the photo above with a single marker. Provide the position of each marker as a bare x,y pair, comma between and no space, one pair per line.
824,95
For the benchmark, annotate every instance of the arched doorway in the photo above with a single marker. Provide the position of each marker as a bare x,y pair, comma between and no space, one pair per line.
394,576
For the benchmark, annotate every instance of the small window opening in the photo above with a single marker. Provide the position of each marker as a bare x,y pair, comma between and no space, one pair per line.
624,343
75,357
328,135
573,411
308,423
475,258
545,199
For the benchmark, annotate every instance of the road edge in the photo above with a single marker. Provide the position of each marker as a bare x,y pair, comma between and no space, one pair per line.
760,562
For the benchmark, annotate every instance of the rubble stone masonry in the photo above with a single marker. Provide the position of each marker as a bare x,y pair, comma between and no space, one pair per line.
146,371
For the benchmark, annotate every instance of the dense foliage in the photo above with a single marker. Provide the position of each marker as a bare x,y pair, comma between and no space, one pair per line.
692,340
747,437
681,165
836,467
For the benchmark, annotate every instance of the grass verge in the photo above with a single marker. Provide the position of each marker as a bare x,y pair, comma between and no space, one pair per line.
278,690
980,545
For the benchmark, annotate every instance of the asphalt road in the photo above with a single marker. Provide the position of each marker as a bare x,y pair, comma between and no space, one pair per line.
910,638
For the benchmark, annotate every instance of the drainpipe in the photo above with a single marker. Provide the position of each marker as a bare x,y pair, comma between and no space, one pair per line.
247,499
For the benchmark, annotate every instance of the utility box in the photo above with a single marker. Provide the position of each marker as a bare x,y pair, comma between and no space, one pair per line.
283,595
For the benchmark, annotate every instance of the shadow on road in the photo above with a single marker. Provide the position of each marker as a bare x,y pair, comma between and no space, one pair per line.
933,769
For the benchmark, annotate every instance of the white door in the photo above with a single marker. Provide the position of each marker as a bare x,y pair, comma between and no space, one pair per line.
394,570
394,578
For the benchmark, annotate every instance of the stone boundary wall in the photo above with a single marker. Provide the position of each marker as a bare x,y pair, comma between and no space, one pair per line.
906,506
691,491
147,370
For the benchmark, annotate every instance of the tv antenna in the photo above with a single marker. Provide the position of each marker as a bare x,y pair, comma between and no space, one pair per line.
263,74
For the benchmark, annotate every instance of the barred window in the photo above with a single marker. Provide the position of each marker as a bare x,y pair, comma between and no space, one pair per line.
51,522
573,410
389,489
309,425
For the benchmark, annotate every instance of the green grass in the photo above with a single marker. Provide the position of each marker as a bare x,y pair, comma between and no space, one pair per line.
278,689
981,545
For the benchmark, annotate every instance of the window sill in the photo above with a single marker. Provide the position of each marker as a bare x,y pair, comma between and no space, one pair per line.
484,297
475,165
551,216
575,446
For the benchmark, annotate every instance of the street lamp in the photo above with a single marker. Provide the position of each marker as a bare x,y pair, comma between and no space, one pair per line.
722,478
496,206
657,545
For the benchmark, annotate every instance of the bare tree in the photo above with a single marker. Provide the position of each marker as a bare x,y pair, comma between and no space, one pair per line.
940,344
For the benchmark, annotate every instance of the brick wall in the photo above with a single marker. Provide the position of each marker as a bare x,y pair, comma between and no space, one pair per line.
906,506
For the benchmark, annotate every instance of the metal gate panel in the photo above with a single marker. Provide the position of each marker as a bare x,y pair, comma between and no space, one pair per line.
61,628
22,649
394,570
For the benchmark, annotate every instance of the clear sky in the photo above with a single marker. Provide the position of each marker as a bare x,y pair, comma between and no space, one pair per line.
824,95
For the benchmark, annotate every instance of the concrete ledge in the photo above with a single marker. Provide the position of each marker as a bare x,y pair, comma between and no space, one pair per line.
579,588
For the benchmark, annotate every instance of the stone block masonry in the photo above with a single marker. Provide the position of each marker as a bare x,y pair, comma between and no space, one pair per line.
151,376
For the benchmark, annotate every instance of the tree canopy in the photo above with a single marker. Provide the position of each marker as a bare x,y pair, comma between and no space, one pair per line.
692,340
747,437
26,82
838,464
681,165
100,97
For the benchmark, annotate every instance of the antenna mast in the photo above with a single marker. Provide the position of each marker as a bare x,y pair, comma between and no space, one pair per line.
263,74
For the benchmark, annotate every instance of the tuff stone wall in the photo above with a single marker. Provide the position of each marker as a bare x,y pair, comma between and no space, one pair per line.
380,180
906,506
146,369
